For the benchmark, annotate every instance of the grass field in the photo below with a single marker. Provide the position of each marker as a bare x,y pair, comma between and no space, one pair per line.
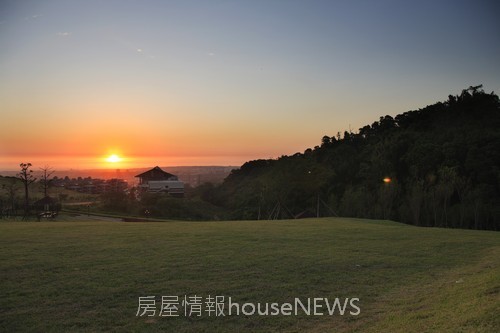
88,276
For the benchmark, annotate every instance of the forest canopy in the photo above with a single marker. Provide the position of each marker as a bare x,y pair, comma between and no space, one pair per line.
437,166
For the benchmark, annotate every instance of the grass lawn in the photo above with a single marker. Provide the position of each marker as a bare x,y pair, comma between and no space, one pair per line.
88,276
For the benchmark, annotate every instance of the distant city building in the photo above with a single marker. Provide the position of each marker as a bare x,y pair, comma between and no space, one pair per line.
115,185
90,185
157,180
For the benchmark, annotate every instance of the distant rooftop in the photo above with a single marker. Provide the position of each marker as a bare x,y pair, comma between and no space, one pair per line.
156,174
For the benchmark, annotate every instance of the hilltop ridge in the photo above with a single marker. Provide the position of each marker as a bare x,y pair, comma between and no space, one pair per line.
436,166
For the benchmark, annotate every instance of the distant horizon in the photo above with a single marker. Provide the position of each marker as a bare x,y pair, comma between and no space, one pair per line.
36,167
11,163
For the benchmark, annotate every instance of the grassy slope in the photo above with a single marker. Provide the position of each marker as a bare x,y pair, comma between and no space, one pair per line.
65,276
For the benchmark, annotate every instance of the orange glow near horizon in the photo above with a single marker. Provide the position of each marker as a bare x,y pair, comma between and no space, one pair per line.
114,158
89,162
387,180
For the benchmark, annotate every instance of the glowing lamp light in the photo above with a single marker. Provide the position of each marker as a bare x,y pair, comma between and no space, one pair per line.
387,180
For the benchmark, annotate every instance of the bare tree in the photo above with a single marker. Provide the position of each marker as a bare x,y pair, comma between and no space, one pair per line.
26,176
44,180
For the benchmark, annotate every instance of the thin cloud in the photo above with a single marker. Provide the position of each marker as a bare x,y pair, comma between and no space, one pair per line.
64,34
145,54
33,17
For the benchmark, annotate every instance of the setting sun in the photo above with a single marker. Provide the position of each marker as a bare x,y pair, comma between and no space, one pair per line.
113,158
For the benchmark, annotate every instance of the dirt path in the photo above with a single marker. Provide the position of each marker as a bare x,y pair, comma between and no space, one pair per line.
85,217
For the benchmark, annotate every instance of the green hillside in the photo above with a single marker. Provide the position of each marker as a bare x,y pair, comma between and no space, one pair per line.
81,277
440,165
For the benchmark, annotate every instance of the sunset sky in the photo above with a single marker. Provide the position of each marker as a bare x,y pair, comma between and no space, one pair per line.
224,82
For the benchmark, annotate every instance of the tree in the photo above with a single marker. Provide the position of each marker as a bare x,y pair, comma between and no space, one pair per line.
447,177
115,198
44,181
387,195
11,188
415,199
26,176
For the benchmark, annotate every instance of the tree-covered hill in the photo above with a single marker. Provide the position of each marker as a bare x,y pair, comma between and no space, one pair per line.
440,165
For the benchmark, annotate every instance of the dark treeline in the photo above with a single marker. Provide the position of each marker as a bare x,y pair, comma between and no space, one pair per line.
442,162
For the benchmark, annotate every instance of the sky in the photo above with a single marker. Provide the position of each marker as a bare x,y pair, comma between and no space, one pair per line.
224,82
